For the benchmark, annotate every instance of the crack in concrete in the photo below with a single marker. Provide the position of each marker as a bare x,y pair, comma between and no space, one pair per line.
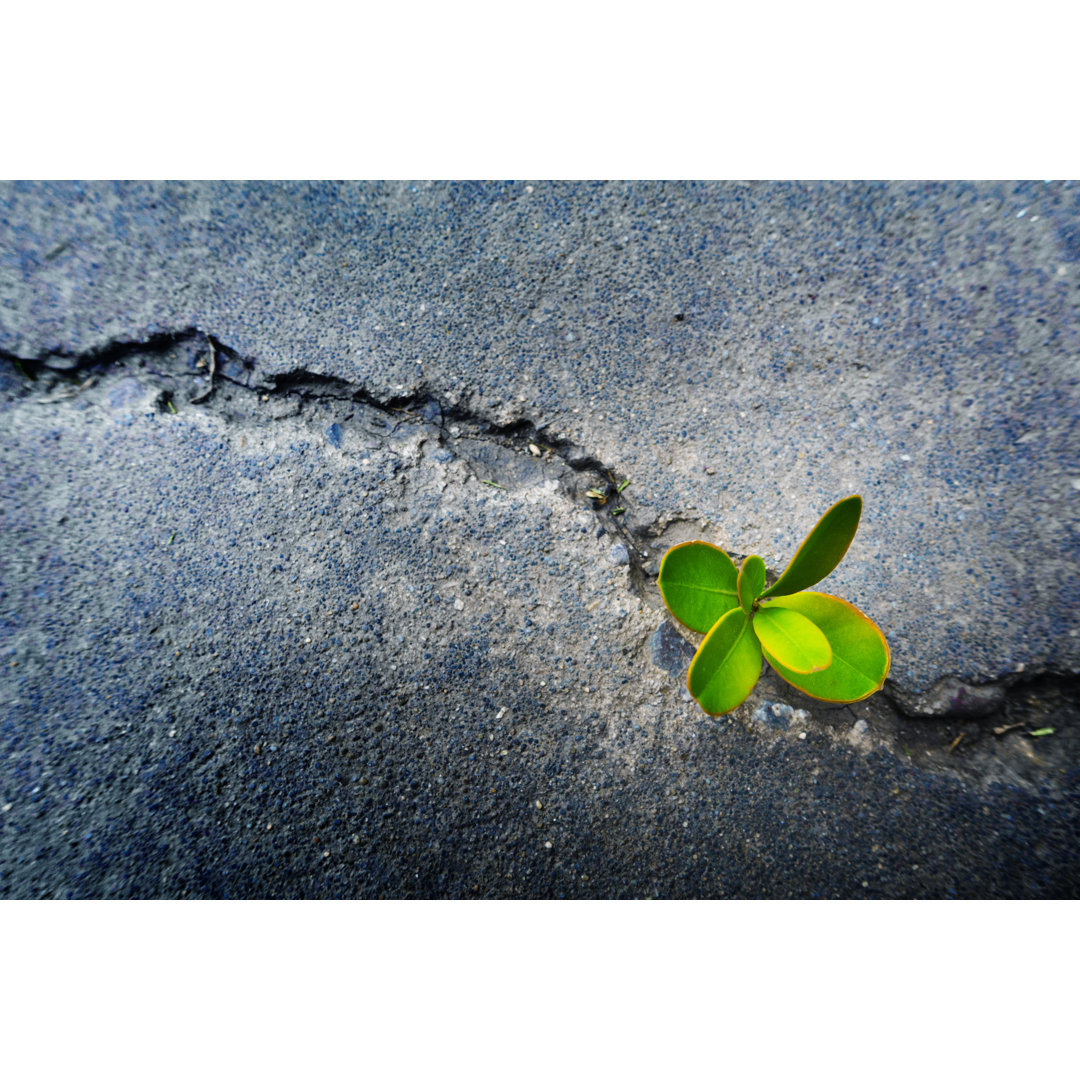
949,699
420,405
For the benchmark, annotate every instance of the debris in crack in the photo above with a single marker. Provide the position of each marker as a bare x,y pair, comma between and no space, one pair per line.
200,398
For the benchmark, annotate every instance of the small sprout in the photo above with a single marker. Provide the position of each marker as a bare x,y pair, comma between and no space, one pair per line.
618,510
491,483
172,407
1040,732
172,538
751,582
800,633
622,487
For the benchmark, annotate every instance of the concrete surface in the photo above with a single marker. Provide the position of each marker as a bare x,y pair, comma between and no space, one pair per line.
343,622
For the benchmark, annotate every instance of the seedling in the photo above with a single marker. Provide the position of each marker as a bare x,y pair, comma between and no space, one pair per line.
819,643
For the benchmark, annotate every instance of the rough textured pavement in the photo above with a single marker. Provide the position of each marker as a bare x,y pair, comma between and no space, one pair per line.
340,620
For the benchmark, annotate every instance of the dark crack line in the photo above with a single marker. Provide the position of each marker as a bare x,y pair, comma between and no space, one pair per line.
307,385
515,435
115,352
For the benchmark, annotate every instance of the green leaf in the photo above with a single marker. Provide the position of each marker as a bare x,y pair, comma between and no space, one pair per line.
726,665
820,553
1041,732
751,581
698,584
860,652
792,639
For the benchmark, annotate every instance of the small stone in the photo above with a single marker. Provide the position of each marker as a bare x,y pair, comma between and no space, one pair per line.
859,735
459,604
619,555
431,411
334,434
547,844
775,714
952,697
669,650
540,806
534,449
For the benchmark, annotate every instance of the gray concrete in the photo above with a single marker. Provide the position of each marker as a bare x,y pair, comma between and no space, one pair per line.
348,625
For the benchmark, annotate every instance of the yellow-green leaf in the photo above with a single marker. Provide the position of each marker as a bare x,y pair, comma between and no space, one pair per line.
751,581
860,653
792,639
726,665
698,584
820,553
